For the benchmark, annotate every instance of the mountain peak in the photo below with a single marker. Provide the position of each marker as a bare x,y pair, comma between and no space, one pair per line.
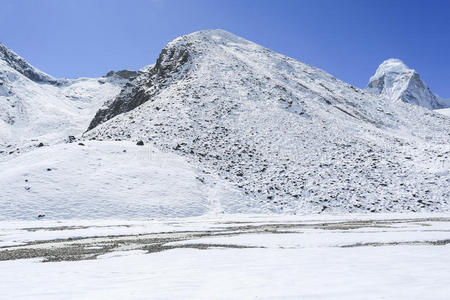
392,65
396,81
218,36
175,61
13,60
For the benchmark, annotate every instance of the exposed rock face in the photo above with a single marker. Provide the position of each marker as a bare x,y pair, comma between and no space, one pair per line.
287,134
170,66
126,74
394,80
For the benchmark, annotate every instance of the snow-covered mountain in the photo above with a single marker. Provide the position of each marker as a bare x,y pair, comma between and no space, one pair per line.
227,126
394,80
285,133
35,107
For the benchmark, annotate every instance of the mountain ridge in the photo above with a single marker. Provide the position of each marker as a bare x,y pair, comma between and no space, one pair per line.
22,66
36,108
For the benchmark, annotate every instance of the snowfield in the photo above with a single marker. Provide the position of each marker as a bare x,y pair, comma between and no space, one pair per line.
246,257
111,180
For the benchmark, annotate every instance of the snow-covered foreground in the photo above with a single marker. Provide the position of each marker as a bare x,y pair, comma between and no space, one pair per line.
289,257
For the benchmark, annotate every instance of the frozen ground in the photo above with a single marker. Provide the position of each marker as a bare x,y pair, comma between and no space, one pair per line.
383,256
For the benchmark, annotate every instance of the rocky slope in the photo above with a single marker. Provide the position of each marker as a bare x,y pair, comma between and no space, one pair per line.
289,135
394,80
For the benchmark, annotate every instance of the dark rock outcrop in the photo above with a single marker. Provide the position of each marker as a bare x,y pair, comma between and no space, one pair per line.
126,74
170,66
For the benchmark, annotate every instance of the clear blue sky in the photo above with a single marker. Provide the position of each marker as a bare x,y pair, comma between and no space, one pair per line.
347,38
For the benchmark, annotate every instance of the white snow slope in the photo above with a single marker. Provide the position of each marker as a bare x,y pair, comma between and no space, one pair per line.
110,180
285,133
35,107
397,82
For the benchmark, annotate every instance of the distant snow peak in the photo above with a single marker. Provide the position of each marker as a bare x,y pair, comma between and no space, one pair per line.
390,66
396,81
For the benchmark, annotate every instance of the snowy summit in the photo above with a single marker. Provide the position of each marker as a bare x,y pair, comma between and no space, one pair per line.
395,80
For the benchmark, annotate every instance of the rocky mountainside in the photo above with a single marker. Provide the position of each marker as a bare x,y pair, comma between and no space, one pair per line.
287,134
37,108
394,80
